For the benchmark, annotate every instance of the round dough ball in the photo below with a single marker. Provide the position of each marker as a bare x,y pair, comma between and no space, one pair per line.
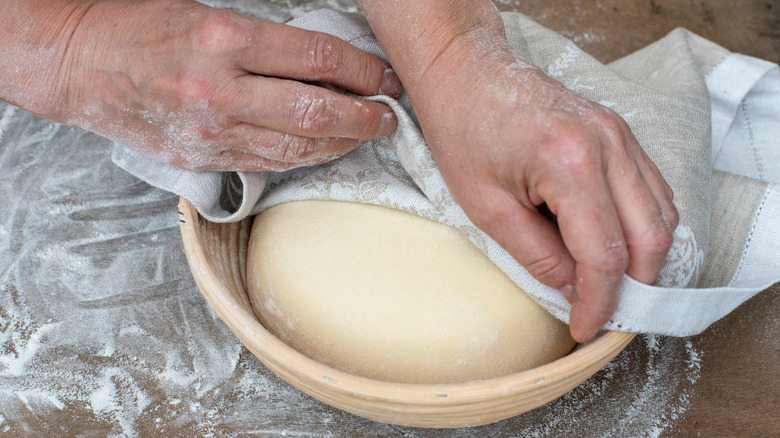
388,295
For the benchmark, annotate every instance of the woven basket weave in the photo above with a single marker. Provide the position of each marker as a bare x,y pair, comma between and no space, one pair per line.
217,256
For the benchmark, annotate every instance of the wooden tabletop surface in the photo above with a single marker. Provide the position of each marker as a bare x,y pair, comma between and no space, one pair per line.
103,332
738,390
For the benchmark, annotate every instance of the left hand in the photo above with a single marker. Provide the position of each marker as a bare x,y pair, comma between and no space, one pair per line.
193,86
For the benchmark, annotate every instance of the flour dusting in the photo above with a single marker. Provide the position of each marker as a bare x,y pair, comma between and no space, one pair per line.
5,119
103,330
100,320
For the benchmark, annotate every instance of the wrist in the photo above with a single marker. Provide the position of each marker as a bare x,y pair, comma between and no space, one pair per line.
416,35
470,78
463,64
34,52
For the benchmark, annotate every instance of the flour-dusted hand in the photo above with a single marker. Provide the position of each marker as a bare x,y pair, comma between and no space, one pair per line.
513,146
193,86
527,145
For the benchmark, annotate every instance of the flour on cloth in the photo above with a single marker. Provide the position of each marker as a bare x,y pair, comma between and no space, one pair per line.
679,98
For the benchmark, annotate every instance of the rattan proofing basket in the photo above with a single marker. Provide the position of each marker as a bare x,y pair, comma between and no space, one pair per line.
217,256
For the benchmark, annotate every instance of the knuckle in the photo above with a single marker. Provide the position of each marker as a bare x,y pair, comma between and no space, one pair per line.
613,259
659,237
366,74
294,149
612,126
672,216
219,32
324,57
545,267
207,134
575,152
608,118
192,134
286,148
203,94
182,161
311,114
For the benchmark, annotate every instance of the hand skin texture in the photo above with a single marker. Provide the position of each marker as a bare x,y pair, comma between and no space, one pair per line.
196,87
508,139
207,89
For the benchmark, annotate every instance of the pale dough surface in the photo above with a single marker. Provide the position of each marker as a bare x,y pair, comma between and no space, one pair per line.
384,294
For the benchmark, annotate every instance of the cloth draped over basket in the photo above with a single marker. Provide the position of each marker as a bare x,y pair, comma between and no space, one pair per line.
708,118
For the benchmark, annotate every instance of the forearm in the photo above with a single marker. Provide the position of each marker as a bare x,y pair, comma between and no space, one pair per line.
34,40
445,51
425,36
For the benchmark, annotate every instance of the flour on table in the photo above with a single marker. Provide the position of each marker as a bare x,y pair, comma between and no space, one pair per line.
103,330
100,320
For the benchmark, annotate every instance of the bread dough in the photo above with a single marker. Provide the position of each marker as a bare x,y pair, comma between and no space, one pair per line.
388,295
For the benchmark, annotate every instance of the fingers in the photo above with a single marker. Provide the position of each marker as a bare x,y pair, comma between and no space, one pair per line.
646,212
299,152
293,150
660,188
284,121
287,52
530,237
249,148
310,111
234,160
620,221
591,229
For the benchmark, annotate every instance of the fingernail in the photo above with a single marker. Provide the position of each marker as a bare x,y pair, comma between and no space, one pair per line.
387,125
590,335
391,84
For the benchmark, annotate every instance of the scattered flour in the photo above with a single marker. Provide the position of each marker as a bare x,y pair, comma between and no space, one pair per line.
101,321
103,331
5,119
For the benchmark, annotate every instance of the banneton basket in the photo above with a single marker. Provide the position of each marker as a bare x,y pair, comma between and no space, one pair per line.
217,256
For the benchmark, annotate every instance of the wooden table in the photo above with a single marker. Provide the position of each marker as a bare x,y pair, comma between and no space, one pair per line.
103,331
738,390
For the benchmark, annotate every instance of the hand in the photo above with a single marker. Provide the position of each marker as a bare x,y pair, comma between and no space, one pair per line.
208,89
511,140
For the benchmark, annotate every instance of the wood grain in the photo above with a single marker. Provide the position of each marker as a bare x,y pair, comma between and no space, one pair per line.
610,29
738,393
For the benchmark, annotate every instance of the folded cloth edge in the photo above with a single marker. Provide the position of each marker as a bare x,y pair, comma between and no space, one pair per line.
636,302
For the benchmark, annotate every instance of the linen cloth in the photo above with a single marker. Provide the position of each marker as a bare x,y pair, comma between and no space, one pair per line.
708,118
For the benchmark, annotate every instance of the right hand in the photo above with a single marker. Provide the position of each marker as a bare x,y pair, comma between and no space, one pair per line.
512,139
513,144
209,89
